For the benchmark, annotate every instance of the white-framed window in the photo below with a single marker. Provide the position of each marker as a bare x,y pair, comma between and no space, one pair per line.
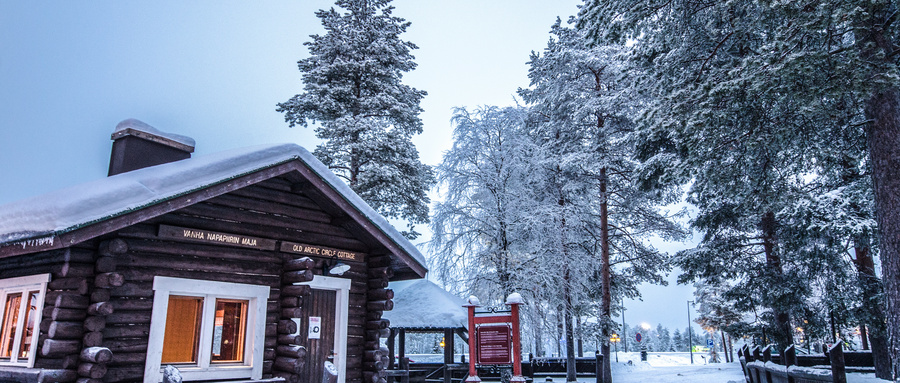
209,330
21,305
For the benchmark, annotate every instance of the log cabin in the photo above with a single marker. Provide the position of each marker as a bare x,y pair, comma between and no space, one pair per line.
255,264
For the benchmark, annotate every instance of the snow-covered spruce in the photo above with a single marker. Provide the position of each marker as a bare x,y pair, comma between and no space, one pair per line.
365,114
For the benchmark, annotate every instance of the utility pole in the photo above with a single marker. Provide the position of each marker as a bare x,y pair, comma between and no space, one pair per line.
690,333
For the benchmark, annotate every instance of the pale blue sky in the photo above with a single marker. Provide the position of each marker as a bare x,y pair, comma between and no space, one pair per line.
214,70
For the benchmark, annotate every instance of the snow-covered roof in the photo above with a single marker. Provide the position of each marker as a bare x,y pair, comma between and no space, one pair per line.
132,126
423,304
69,209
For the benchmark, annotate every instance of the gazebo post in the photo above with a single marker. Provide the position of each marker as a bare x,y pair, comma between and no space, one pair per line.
402,345
391,339
448,346
448,354
472,304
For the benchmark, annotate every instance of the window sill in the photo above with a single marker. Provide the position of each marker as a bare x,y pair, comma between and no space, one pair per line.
218,373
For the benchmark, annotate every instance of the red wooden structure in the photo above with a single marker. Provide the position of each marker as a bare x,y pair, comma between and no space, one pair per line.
494,338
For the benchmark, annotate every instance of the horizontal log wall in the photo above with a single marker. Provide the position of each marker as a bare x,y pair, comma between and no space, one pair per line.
374,302
267,210
65,303
96,315
72,322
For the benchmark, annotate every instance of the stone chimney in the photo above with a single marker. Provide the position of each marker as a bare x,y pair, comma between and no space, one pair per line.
137,145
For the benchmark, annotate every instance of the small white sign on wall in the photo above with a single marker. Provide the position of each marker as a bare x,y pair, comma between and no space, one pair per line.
315,328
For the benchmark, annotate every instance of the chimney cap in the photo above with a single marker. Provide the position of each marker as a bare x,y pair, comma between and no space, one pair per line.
137,128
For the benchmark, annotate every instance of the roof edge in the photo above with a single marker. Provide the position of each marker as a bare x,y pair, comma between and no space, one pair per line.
367,217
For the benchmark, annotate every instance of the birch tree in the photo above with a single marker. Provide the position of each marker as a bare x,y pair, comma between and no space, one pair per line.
484,181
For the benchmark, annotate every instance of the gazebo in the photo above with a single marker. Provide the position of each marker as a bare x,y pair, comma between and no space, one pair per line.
424,307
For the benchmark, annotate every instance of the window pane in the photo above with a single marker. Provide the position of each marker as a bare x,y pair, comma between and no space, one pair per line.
182,329
10,319
229,329
25,344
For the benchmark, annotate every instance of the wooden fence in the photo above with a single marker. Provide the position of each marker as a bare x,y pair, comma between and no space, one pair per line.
760,366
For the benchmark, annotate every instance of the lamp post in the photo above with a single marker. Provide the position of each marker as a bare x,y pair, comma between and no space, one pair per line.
690,333
624,329
615,340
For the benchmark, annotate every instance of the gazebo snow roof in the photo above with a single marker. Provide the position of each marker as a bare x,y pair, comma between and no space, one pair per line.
425,305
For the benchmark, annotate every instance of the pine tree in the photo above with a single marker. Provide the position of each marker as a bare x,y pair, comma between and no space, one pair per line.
581,106
808,56
838,209
678,341
366,116
715,310
633,344
664,340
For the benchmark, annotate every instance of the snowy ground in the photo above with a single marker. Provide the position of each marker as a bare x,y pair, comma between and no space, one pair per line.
675,367
666,367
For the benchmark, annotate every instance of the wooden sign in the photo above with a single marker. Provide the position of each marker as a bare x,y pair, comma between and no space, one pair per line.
321,251
215,238
496,339
494,344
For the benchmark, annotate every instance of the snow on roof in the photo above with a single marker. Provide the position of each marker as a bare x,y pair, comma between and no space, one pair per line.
424,304
132,125
81,205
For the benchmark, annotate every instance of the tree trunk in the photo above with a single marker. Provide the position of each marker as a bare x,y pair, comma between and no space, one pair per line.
725,348
782,336
570,335
871,290
354,159
503,268
538,329
883,110
730,348
605,280
560,311
864,336
579,335
567,290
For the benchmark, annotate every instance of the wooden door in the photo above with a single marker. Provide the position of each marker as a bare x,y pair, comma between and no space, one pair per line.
318,304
